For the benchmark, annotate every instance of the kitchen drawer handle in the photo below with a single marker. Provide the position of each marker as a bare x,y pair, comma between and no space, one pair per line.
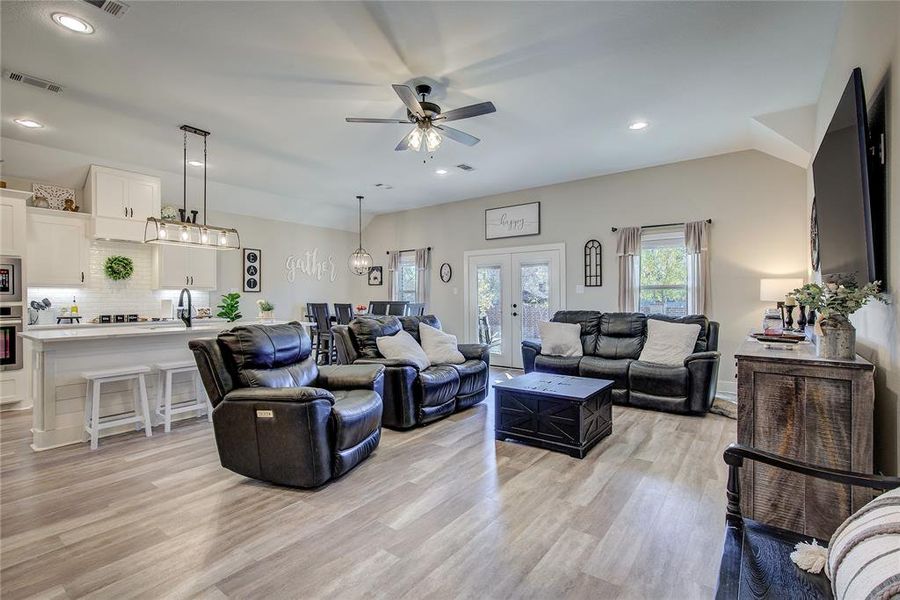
82,277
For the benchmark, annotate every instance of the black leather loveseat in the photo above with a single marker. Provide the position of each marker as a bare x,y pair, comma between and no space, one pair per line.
612,343
277,415
412,396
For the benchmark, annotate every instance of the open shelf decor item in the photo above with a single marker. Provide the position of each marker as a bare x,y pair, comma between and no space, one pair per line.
186,231
360,260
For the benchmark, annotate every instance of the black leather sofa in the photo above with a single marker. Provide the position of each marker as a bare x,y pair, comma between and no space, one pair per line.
612,343
277,415
412,396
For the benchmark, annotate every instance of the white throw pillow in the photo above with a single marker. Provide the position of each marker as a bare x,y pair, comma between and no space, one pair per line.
440,348
402,346
669,343
560,339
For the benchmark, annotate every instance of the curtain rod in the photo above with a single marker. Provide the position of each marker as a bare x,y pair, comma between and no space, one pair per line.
614,229
409,250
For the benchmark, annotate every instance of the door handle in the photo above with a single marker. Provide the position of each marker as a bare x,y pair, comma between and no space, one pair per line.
126,211
186,281
515,305
515,314
132,212
192,280
82,277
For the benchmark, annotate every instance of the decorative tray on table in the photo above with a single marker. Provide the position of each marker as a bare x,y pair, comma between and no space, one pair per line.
786,337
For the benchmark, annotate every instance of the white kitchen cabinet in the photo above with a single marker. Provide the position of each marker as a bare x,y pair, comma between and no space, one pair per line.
120,202
182,266
12,222
57,248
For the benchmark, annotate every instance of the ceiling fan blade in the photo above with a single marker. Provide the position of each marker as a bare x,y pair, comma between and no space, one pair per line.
409,99
473,110
404,143
458,136
365,120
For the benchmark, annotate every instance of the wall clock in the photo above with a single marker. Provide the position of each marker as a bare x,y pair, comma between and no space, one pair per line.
814,237
446,272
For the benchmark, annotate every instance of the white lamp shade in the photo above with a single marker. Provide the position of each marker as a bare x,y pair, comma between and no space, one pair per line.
774,290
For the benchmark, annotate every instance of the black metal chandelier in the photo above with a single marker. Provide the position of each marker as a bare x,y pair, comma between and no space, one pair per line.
186,231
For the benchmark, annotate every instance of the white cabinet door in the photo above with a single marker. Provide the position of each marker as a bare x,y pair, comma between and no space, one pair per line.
202,268
57,250
170,267
143,198
110,194
12,226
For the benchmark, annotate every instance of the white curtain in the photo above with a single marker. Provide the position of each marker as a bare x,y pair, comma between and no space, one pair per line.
696,243
393,274
423,258
628,249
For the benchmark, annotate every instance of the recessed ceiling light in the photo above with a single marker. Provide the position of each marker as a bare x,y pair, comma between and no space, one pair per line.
195,163
638,125
29,123
72,23
441,171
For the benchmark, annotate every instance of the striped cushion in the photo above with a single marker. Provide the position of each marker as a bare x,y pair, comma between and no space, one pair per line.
864,552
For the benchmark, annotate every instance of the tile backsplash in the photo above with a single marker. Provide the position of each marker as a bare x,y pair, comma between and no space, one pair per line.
105,296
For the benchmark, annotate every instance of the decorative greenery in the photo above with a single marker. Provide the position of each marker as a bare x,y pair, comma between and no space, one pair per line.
838,300
264,305
118,268
230,307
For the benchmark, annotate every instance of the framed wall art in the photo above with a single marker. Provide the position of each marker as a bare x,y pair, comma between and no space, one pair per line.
512,221
375,276
252,270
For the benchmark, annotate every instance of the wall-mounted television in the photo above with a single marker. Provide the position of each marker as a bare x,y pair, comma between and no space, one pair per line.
843,202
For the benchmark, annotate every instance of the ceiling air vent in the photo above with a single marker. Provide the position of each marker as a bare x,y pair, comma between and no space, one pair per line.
116,9
465,167
35,81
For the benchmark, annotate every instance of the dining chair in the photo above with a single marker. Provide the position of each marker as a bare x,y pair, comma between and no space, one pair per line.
378,307
322,319
398,309
344,313
415,309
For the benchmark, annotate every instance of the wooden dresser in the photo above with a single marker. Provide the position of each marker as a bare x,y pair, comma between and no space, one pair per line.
795,404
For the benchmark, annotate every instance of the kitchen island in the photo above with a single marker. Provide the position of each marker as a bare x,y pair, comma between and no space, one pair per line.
58,356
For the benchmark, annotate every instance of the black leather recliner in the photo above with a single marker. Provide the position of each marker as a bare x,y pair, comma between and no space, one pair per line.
278,416
612,344
412,396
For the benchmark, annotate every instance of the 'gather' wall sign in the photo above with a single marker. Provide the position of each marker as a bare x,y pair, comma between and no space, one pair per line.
309,264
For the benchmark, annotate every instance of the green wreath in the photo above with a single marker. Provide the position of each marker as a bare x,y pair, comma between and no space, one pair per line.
118,268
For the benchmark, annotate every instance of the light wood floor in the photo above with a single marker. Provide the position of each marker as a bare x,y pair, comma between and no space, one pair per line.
441,512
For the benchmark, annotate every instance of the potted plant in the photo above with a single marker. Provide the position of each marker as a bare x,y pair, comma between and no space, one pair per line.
230,307
835,334
266,309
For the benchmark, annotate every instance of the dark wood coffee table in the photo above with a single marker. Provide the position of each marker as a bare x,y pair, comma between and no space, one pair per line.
557,412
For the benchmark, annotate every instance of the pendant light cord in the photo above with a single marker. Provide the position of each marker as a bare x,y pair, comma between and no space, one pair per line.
184,181
204,179
359,199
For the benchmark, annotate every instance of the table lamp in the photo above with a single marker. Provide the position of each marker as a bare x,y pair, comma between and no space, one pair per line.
776,289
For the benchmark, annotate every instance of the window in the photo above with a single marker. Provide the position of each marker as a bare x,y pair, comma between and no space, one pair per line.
663,273
407,278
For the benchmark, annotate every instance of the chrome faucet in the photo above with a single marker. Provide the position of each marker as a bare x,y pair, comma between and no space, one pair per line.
185,315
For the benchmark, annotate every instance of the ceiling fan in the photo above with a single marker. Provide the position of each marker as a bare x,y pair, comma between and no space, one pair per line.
429,120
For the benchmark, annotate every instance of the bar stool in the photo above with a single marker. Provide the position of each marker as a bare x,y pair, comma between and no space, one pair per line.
141,415
164,408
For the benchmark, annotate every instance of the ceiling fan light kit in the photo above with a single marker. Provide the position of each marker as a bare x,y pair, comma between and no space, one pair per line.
186,231
429,120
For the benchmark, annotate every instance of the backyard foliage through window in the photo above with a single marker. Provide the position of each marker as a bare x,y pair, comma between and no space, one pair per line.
664,276
408,277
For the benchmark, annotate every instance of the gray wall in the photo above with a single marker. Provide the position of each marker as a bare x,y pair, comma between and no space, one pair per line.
757,204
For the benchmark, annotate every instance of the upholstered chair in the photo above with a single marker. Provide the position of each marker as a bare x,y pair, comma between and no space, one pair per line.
278,416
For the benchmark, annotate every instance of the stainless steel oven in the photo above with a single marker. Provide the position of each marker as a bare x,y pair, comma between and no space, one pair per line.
10,279
11,350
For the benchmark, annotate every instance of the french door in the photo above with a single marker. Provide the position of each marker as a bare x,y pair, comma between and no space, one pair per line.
508,293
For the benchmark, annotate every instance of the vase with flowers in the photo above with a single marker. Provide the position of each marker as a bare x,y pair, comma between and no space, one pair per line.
834,303
361,309
266,310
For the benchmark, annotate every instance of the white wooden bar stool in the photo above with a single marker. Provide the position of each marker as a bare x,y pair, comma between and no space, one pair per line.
164,407
141,415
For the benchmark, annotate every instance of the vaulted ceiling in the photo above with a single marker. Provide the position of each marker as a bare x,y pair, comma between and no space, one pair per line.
273,81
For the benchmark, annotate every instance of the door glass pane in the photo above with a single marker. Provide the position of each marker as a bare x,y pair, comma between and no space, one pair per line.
535,301
489,307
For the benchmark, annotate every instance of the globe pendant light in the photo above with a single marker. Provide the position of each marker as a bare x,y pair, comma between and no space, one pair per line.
186,231
360,260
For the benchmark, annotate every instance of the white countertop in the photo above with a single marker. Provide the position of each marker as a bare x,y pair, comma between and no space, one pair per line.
151,328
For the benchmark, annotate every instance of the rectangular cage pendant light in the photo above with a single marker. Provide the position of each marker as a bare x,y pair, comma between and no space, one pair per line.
186,231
